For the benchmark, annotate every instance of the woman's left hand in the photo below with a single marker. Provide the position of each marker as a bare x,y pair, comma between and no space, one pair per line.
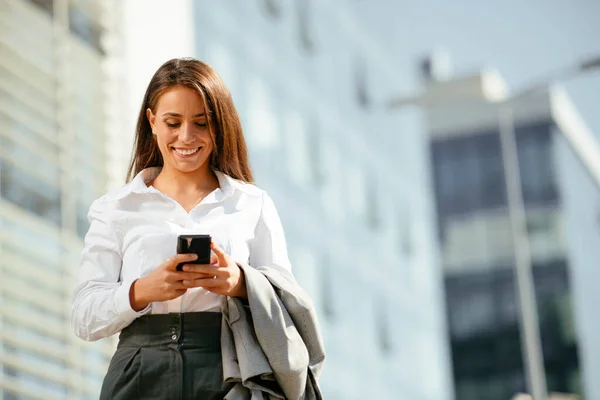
226,277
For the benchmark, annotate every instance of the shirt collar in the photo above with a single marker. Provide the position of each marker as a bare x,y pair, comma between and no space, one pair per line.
139,184
230,185
227,184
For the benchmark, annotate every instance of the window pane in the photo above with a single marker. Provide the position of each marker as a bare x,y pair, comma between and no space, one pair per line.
262,132
29,192
46,5
85,28
297,150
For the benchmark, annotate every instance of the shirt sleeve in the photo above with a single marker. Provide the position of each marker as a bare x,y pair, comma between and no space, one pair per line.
269,246
101,304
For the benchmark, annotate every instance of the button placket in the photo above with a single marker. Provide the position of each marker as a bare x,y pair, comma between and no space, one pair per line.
175,331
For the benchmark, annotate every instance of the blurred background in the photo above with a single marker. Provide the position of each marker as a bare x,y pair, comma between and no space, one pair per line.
435,165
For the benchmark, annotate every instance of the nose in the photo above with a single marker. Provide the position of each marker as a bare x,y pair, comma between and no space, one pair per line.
186,133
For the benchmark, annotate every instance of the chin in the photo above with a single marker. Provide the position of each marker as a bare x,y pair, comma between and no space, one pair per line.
187,168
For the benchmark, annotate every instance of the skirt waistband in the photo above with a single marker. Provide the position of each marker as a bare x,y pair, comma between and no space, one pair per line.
199,329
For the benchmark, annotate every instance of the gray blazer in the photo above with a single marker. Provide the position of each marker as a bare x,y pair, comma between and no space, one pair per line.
271,344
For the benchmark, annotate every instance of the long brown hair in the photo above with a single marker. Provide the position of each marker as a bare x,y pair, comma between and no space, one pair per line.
230,154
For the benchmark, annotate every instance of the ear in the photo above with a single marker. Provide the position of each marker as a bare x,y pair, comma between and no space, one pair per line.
151,118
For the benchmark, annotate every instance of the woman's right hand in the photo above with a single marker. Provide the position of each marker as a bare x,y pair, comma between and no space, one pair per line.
162,284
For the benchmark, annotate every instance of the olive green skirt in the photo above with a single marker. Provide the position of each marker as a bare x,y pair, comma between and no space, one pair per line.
168,356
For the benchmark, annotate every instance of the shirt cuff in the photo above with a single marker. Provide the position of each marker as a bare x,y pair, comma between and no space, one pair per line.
123,305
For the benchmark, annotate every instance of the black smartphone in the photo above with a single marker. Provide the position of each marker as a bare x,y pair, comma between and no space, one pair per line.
197,244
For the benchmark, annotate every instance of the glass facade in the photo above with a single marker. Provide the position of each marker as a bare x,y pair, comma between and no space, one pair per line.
359,225
52,165
481,297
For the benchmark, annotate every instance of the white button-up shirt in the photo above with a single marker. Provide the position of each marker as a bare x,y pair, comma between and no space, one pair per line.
134,229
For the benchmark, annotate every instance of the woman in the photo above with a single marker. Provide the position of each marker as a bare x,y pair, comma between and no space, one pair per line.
190,175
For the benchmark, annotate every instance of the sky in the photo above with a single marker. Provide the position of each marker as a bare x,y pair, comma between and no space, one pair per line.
525,40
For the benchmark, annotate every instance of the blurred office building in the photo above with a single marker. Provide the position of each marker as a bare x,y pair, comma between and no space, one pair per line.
52,165
476,242
302,75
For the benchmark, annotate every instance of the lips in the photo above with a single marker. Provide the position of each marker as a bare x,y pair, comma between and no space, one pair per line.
184,152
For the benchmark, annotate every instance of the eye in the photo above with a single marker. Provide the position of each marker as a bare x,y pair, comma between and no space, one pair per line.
201,124
173,124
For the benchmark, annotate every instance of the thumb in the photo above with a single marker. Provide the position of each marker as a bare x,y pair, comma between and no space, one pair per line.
221,256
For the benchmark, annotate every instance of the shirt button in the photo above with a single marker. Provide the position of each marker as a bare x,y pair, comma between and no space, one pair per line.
174,337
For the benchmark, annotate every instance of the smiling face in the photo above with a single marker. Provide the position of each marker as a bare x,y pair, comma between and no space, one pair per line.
180,127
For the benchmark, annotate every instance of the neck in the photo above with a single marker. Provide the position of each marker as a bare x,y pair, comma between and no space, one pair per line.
174,181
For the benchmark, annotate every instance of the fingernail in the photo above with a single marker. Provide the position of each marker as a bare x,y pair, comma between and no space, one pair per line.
185,268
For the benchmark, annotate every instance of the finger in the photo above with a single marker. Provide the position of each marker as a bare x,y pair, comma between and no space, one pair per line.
214,259
201,268
221,256
206,283
178,276
177,259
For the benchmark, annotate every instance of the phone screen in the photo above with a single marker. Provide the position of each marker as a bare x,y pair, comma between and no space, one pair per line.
197,244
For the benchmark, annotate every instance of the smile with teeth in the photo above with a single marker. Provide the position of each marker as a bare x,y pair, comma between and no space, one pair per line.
186,152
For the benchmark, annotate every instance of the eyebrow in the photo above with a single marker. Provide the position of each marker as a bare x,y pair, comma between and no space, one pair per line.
172,114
